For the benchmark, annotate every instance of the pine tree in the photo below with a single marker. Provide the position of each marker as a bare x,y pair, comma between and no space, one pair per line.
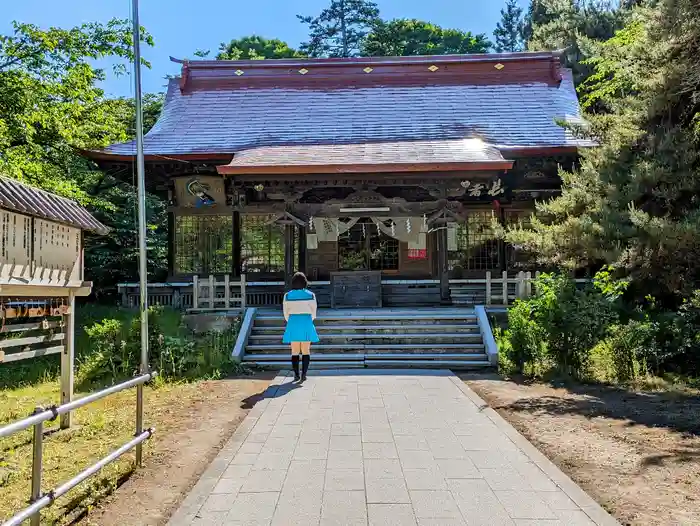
340,28
509,30
634,201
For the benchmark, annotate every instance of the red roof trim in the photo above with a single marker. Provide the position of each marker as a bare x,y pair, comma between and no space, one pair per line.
106,156
504,68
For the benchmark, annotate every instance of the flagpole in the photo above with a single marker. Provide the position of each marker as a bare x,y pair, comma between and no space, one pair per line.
141,184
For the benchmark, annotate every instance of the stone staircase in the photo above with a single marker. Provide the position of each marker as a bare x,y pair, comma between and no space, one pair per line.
428,337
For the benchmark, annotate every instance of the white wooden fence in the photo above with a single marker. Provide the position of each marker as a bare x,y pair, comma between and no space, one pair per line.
499,289
212,295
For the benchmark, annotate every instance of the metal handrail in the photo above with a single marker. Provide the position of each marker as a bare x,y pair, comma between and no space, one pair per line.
53,412
40,501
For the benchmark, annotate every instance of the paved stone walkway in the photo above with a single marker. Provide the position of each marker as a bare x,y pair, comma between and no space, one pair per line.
382,448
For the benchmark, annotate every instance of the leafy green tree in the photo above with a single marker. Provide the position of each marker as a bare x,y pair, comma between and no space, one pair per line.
404,37
340,28
509,31
51,108
256,48
633,203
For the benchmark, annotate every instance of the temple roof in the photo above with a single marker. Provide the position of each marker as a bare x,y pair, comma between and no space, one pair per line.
400,156
251,108
31,201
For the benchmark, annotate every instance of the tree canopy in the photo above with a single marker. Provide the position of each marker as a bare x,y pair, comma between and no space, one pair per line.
403,37
51,107
256,48
633,203
339,30
509,31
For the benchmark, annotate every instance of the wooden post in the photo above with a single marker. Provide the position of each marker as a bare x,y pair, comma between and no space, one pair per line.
288,253
227,291
212,290
68,360
243,292
443,269
125,297
236,244
177,299
302,249
195,292
171,244
488,287
520,288
528,287
505,287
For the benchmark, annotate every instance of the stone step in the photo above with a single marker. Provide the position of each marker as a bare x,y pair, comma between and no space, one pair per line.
434,328
357,347
278,358
335,364
467,317
345,357
443,364
349,338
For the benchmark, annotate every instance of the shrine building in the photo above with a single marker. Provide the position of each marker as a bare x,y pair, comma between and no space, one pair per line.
401,168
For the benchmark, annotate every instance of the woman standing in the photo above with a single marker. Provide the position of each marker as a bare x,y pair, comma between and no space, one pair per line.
300,313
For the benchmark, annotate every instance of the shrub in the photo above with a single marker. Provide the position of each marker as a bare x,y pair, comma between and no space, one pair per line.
175,352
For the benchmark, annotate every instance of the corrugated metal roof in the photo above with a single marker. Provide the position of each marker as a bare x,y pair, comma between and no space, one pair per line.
393,153
228,120
25,199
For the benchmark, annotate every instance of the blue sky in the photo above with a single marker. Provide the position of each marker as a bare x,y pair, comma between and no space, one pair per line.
180,27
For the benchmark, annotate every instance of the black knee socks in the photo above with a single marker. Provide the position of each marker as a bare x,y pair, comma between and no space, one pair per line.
295,365
305,359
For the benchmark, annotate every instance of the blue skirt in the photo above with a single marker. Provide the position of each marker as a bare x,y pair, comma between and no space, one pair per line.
300,328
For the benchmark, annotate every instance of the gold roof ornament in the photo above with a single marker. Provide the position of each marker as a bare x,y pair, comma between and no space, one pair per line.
368,70
239,72
303,71
499,66
433,68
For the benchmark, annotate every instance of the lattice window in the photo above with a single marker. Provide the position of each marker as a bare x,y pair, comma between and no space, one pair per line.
477,246
514,255
262,245
203,244
365,247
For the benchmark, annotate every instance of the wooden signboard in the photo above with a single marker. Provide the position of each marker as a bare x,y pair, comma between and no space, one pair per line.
356,289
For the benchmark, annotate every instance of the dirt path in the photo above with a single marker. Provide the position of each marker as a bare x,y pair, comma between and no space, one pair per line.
637,454
190,434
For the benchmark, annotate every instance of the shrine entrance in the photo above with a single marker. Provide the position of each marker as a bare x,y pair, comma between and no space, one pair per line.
365,247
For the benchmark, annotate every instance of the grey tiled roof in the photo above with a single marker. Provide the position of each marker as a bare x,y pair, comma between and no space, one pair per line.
31,201
375,153
227,120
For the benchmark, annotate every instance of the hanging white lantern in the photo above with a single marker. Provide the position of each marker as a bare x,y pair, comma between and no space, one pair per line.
364,231
425,221
408,225
393,229
311,223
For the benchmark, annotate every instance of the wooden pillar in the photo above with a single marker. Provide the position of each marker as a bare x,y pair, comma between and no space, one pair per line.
68,361
443,269
171,244
288,253
236,244
502,252
302,249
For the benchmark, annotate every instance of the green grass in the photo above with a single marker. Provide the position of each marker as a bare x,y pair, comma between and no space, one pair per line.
104,425
97,430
